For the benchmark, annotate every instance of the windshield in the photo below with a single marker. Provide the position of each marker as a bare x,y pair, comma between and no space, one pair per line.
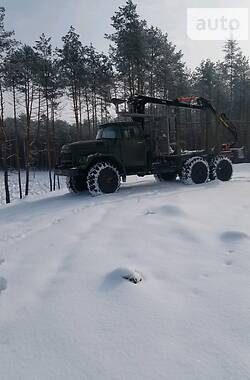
108,133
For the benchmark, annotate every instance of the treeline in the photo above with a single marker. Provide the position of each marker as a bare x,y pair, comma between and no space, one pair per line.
37,81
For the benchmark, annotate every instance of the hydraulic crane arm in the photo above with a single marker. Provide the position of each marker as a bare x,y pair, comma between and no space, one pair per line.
137,106
220,118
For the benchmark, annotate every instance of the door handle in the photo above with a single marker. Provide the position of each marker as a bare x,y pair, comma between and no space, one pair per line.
140,142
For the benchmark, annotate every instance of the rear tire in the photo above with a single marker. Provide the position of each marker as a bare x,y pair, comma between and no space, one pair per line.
221,168
76,184
103,178
165,177
195,171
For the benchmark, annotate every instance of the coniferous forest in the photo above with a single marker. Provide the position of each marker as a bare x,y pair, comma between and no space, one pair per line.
37,81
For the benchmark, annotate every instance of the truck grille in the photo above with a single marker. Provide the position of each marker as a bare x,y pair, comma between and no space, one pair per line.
66,158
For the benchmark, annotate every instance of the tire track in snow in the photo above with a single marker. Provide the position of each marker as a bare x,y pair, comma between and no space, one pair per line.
48,250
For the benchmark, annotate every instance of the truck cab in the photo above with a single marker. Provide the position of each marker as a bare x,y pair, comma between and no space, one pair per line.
121,148
129,144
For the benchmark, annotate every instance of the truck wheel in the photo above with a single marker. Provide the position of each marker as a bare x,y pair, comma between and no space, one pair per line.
165,177
195,171
76,184
221,167
103,178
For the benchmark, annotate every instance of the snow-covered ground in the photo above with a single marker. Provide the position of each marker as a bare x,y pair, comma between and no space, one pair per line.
67,313
39,184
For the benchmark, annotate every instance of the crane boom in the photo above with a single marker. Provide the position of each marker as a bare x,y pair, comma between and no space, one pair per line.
137,106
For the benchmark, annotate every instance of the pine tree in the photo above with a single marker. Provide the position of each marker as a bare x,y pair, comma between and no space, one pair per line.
205,80
27,85
99,80
11,75
45,73
171,74
129,47
6,41
230,68
72,66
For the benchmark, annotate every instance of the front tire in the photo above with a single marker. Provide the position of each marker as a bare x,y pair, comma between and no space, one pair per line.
76,184
103,178
195,171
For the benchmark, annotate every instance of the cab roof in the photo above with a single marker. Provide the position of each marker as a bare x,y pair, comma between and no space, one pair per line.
119,124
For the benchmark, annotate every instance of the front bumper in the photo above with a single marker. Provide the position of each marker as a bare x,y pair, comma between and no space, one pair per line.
68,172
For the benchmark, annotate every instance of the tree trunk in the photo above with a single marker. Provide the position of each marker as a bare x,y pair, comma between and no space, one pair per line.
76,108
54,154
29,92
48,141
88,113
6,184
38,116
3,142
80,113
17,143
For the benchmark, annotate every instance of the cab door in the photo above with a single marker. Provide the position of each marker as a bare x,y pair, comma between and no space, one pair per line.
134,154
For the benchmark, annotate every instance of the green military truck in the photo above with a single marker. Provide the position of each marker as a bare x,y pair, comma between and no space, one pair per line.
141,146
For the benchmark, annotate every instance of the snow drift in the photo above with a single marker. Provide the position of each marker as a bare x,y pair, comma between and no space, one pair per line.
67,313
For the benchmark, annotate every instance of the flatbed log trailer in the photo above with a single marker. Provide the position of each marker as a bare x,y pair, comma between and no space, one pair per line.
142,146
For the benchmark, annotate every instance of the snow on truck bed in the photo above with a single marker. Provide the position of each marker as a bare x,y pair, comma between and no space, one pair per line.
66,312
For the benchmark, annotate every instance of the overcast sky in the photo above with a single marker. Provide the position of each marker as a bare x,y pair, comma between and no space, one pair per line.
29,18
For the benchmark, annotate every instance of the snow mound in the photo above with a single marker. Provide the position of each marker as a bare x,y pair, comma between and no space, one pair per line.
131,275
116,277
3,284
167,210
171,210
233,236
